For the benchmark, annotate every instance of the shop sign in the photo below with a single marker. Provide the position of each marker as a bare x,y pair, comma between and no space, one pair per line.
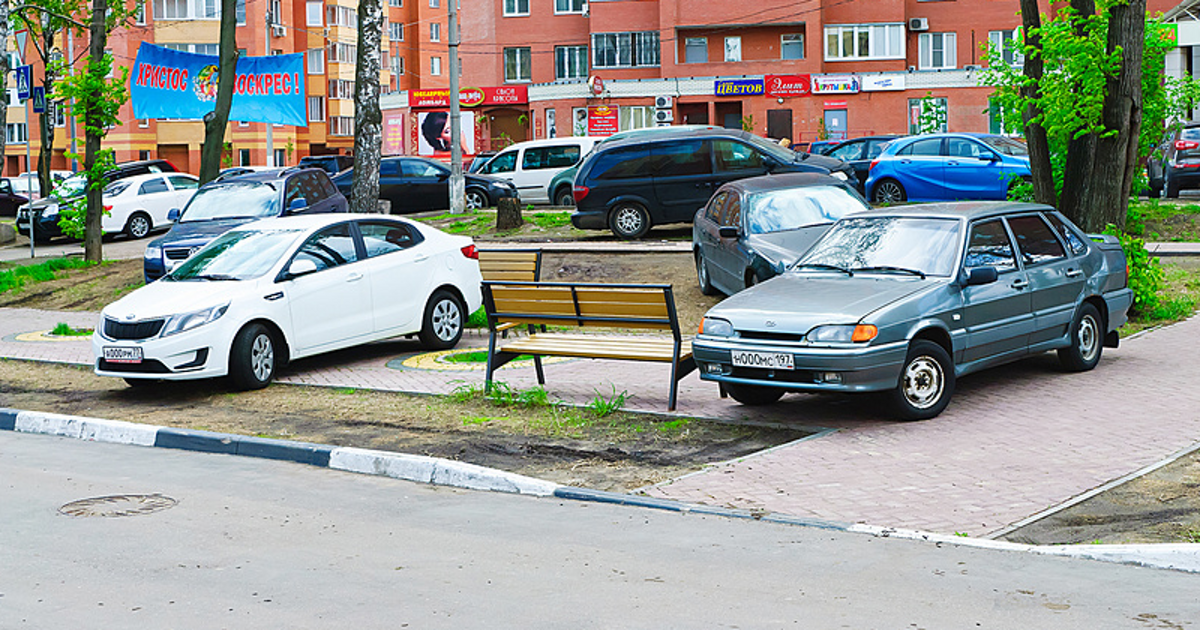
393,132
470,97
883,83
784,85
738,87
843,84
835,105
602,120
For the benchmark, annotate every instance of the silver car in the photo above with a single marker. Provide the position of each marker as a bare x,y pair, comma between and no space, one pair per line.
905,300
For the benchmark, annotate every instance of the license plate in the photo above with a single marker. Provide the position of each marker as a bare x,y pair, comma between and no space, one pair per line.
116,354
765,360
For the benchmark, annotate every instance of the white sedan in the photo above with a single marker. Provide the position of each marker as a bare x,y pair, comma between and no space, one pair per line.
136,205
286,288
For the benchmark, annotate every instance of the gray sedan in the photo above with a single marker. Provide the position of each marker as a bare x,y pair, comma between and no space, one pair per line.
905,300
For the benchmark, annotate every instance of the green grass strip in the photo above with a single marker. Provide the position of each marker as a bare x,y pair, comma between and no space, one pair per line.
17,277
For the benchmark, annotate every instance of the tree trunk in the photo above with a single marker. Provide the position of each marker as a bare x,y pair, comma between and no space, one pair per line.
46,151
1081,151
368,140
97,40
216,121
1035,134
508,214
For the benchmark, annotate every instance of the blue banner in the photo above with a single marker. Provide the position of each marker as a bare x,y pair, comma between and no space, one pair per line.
167,83
738,87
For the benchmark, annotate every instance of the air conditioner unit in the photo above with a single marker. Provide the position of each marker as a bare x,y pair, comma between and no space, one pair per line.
664,116
278,30
918,24
664,102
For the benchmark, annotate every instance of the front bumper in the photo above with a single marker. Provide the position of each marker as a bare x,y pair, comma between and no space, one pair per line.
45,228
828,369
199,353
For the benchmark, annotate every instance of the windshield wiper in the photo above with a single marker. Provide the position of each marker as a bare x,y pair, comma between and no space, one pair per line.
914,272
214,276
823,266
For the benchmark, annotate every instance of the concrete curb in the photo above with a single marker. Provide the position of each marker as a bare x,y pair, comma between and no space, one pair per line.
443,472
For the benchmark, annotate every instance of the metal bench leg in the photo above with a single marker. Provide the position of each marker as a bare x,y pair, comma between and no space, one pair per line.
537,363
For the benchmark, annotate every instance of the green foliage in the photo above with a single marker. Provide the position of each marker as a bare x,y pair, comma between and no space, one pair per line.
932,118
550,219
62,329
72,213
478,319
503,395
748,123
1020,189
602,406
14,279
1145,272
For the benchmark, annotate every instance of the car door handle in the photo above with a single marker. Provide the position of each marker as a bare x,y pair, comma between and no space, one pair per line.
354,277
1074,273
1020,284
420,258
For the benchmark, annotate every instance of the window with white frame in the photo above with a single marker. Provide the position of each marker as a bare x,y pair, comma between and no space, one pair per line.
434,4
276,12
16,133
313,11
341,88
625,50
316,61
1008,45
341,125
395,3
695,50
635,117
936,51
570,62
791,46
516,65
57,112
396,31
516,7
139,17
200,49
143,123
733,48
341,52
435,66
864,41
569,6
435,32
397,65
13,99
316,109
341,16
171,10
241,12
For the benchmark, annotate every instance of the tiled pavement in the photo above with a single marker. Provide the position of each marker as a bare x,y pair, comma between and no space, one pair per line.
1014,441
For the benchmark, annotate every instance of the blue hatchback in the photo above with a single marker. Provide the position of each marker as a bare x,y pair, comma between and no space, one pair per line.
947,167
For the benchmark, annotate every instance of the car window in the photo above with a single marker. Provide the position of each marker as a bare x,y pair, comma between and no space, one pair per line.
116,188
1007,146
232,199
922,244
152,186
6,186
330,247
961,147
293,191
989,246
311,188
504,163
385,237
735,156
713,211
732,216
561,156
180,182
419,168
875,147
791,208
622,163
389,167
929,146
153,168
681,158
1035,240
1076,244
847,152
237,254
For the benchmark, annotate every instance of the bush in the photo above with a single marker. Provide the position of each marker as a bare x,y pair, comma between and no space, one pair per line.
1145,272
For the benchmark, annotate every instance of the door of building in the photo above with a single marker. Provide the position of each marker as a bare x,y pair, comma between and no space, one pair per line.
779,124
835,124
729,115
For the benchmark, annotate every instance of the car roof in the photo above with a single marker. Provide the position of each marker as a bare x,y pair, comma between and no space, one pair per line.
312,221
782,180
133,179
272,174
676,133
969,210
552,141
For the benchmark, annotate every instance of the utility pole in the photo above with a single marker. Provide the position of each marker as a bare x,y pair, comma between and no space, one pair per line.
270,126
457,183
71,118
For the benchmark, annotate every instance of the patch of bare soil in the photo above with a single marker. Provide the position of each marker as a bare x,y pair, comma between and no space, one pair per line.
86,289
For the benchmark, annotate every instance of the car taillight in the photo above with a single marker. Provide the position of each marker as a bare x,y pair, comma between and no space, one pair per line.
108,208
580,192
1184,145
470,251
873,163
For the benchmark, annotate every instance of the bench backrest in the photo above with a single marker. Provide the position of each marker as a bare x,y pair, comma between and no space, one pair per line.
522,265
649,306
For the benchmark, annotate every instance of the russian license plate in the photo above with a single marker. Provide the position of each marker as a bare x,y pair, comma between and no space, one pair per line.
764,360
117,354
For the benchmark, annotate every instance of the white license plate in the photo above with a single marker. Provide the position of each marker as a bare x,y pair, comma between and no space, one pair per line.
765,360
116,354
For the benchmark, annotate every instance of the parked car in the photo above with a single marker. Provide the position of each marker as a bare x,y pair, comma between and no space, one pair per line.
219,206
906,300
332,164
823,147
479,161
753,228
1176,166
417,184
73,187
629,185
947,167
268,292
238,171
10,200
137,205
859,153
27,184
531,165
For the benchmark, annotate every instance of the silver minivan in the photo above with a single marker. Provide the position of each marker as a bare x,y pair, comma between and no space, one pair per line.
531,165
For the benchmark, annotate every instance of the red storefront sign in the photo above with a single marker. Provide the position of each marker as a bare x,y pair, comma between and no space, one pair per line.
788,84
393,132
602,120
469,97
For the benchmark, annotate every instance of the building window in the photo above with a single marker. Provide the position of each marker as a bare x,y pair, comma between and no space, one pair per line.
395,3
433,4
313,11
280,157
144,154
241,12
635,117
864,41
516,7
13,99
695,50
516,65
341,16
435,66
16,133
200,49
569,6
625,50
139,17
570,62
170,10
397,65
244,157
733,48
340,52
936,51
316,61
435,32
276,12
1007,44
396,31
791,46
341,125
927,115
341,88
144,123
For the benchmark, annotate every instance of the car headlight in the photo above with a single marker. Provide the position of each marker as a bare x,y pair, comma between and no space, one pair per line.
716,327
840,175
50,211
188,321
848,333
153,253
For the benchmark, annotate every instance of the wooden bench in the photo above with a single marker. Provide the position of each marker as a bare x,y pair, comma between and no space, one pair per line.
586,305
522,265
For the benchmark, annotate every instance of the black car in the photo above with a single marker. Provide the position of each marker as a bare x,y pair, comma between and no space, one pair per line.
480,161
628,186
1176,165
219,206
76,186
416,184
332,164
9,199
858,153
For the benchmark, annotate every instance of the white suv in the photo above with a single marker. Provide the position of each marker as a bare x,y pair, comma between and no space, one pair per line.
531,165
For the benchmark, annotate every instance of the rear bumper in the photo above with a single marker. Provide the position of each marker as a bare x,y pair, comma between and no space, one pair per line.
590,219
1118,304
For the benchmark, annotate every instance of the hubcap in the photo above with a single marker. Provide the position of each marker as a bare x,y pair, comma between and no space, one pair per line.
474,201
446,320
923,382
701,272
629,220
139,227
888,193
262,357
1089,338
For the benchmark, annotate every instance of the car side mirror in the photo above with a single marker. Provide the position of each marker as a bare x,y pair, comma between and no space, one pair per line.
173,214
297,204
728,231
770,164
300,267
976,276
989,158
443,176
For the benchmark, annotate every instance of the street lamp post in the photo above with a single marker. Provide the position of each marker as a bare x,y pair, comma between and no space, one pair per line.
457,183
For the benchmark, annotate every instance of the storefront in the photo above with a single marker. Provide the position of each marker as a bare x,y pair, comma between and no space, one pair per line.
489,118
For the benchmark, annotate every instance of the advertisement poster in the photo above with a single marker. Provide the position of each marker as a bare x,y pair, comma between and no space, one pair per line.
434,136
788,85
845,84
470,97
883,83
738,87
551,128
602,120
393,132
579,126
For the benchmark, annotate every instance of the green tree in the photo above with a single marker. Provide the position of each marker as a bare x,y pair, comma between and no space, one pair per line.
217,120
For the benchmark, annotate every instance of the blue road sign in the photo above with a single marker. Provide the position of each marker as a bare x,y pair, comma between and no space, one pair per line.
39,99
24,81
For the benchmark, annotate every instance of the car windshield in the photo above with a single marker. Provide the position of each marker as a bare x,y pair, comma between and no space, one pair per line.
770,148
1007,146
232,200
236,255
919,244
71,187
791,208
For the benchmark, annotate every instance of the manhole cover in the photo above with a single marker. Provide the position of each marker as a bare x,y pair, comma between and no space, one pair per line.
118,505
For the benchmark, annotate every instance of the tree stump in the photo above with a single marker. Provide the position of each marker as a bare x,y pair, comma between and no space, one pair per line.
508,214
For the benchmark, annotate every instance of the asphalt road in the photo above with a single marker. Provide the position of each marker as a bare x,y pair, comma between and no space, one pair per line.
256,543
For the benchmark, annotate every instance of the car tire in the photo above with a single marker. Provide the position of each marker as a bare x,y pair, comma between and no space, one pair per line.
444,320
629,220
564,196
753,395
1087,340
751,278
252,357
926,382
702,277
1154,193
138,226
888,191
1172,189
476,200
